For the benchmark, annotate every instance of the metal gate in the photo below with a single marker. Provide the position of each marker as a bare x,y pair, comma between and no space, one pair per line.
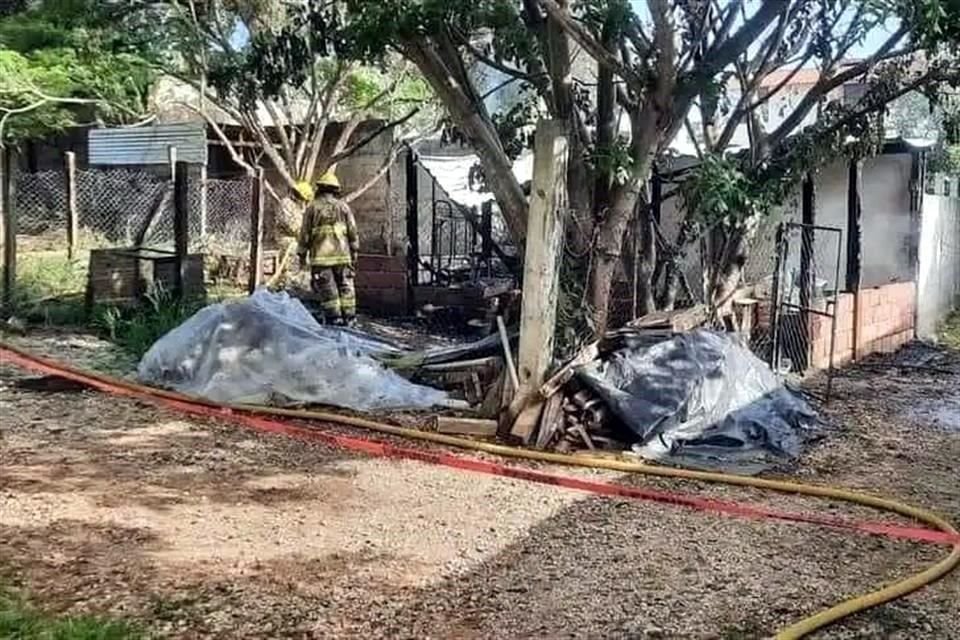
804,298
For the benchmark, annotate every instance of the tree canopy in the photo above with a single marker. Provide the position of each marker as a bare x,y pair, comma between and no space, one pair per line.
663,69
66,62
284,74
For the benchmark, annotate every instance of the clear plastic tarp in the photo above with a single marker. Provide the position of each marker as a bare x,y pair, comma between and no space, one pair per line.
268,349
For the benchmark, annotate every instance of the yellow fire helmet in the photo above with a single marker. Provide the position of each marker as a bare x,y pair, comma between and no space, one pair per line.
305,190
329,179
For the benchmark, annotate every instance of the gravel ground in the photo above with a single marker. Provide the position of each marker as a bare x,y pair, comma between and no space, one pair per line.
201,529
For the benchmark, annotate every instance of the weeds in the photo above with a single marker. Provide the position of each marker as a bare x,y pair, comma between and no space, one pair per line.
136,330
20,621
49,288
950,331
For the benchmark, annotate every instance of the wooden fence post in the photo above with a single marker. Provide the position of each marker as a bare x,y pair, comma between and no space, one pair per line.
203,202
541,273
256,232
70,176
181,229
8,198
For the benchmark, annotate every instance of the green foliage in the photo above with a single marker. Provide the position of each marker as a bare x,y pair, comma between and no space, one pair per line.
20,621
719,191
135,330
76,50
950,331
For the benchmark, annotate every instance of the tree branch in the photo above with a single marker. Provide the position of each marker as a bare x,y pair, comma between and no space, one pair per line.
590,44
376,177
352,149
825,85
490,62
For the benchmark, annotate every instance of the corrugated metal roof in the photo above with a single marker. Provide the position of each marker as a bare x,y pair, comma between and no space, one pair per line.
148,145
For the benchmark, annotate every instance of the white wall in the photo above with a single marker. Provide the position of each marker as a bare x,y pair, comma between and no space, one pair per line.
938,285
886,227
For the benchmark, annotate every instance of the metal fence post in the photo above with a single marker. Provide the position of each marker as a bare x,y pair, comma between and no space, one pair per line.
775,297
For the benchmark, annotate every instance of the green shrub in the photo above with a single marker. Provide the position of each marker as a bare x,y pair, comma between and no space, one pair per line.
135,330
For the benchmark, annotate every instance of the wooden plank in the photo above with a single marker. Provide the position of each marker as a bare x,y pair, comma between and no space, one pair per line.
550,421
70,178
465,426
181,230
541,270
256,232
565,373
8,199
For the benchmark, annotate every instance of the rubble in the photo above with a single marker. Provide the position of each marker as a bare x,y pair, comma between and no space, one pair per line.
658,386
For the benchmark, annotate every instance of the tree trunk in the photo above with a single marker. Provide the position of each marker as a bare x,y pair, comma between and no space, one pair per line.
725,255
607,253
646,302
497,167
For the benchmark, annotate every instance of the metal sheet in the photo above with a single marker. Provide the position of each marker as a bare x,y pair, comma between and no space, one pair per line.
148,145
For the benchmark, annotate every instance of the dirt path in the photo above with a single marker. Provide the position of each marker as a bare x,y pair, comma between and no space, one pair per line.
207,530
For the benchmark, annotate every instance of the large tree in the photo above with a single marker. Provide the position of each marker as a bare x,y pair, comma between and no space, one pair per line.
67,62
282,73
657,61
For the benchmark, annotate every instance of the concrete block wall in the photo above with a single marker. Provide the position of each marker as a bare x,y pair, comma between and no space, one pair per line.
880,319
382,284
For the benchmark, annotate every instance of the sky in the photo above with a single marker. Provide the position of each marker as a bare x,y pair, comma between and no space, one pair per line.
870,43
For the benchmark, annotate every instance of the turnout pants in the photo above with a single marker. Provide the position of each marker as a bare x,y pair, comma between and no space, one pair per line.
335,290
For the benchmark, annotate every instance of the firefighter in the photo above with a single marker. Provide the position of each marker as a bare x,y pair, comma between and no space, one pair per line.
329,244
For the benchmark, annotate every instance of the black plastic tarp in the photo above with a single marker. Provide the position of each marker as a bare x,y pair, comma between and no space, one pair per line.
702,399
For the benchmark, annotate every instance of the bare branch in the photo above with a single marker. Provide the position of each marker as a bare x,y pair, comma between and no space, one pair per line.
590,44
827,84
281,129
376,177
388,126
490,62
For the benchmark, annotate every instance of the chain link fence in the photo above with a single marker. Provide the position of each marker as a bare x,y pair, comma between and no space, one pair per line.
115,208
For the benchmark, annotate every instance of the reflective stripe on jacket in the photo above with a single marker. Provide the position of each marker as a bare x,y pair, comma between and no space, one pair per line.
328,233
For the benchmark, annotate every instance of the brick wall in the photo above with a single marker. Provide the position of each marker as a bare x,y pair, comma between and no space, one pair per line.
883,324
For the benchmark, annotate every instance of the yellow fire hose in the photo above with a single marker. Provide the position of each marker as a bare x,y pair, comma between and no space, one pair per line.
797,630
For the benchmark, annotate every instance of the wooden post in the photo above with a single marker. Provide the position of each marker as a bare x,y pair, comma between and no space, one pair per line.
203,202
855,243
917,180
256,232
181,228
541,272
854,231
809,217
8,200
70,175
413,225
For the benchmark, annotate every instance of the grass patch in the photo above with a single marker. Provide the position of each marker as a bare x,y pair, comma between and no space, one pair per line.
950,331
20,621
49,288
136,329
